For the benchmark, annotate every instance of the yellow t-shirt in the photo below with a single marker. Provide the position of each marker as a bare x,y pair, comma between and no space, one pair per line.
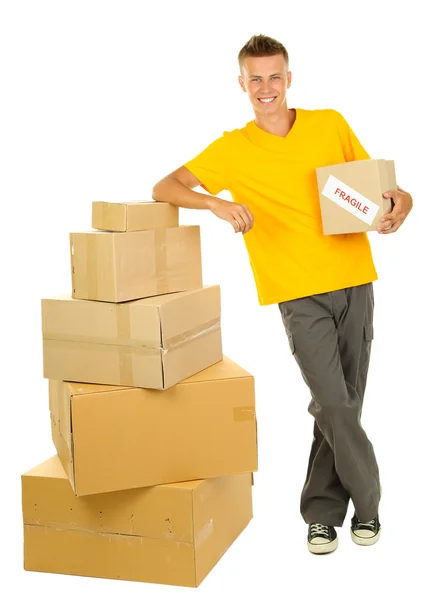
275,177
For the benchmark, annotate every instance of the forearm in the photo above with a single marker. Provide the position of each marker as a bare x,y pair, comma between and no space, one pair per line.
174,192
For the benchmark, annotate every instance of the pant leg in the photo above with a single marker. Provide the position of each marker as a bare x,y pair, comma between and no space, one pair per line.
323,498
354,313
341,462
356,332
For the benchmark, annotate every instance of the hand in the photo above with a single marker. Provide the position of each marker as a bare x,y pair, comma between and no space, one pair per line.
237,214
402,207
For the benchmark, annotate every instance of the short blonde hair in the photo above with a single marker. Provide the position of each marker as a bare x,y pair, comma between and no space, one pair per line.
262,45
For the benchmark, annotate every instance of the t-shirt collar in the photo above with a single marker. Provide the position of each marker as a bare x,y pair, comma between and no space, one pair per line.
271,141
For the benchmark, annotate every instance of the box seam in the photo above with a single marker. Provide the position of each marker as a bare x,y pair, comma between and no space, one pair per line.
127,535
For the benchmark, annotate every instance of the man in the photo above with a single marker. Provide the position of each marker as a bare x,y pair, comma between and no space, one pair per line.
325,294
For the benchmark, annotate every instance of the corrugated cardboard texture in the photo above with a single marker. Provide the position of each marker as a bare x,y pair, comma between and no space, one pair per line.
371,178
125,438
133,216
116,267
171,534
152,343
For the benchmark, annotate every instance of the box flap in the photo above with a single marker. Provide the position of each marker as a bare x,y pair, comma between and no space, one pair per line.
49,468
225,369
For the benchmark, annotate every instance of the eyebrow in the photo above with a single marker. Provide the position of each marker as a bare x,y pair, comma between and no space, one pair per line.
269,75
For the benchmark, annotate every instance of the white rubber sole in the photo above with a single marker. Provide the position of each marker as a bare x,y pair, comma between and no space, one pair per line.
323,548
365,541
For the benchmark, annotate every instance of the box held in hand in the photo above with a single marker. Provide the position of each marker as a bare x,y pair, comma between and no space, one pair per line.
351,195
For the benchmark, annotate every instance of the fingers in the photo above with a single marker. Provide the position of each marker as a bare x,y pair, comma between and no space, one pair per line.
243,219
391,228
238,223
251,218
385,224
390,220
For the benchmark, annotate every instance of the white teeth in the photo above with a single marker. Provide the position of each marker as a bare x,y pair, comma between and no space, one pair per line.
267,100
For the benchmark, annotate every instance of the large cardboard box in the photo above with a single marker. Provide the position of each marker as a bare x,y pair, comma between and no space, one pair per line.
114,438
116,267
133,216
152,343
171,534
351,194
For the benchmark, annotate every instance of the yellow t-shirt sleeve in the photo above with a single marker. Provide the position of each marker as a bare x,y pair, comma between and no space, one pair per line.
351,147
211,167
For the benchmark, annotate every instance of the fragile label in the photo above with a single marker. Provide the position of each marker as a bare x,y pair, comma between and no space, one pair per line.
347,198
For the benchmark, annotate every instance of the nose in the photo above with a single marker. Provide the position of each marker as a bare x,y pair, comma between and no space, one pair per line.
265,88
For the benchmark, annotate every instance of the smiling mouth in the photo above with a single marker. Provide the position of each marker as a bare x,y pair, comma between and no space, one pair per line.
267,100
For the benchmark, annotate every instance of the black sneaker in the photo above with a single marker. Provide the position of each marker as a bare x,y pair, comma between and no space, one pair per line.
365,533
321,538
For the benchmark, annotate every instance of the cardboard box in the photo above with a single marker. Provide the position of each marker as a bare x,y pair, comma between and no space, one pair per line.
351,194
152,343
115,438
171,534
133,216
116,267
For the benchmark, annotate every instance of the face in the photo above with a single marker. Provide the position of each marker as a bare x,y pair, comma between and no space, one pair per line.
266,81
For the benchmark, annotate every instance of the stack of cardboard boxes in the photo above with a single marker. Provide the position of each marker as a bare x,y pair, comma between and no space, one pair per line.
155,430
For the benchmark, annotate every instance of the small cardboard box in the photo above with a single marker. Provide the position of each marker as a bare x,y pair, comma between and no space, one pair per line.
169,534
116,267
133,216
152,343
351,194
115,438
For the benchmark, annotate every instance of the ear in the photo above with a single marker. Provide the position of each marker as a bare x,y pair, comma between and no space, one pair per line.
241,83
289,78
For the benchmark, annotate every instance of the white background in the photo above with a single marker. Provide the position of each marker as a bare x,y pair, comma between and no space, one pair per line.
100,100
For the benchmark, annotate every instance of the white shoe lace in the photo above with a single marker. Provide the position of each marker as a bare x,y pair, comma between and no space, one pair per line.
316,528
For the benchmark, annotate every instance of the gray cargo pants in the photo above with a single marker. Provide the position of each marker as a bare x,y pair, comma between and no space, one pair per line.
330,337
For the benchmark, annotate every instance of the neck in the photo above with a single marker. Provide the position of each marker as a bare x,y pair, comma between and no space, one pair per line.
279,123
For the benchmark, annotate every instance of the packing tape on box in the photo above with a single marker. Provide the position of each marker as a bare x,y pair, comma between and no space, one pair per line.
160,248
92,282
125,365
204,533
244,413
123,320
123,324
191,334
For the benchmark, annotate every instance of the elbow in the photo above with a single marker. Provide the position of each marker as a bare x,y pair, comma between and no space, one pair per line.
155,193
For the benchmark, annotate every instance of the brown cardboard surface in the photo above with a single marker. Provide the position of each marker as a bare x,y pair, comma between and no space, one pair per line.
117,267
153,342
370,178
133,216
125,438
171,534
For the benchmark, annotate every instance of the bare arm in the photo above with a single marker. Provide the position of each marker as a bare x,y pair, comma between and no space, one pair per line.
177,188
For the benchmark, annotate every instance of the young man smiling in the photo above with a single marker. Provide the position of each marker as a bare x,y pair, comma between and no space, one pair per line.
324,293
